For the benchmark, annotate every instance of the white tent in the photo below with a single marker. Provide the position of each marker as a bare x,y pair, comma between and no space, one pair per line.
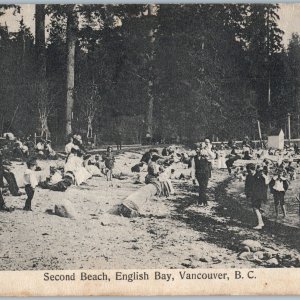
276,141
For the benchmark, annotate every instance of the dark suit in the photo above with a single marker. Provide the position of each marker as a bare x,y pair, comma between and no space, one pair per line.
202,174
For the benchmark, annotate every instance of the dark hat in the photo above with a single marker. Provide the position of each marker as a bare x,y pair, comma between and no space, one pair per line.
155,157
279,170
250,166
31,162
87,156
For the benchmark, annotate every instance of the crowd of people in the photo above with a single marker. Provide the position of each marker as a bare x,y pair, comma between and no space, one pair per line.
78,167
269,169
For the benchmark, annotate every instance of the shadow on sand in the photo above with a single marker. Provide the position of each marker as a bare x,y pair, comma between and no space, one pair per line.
226,215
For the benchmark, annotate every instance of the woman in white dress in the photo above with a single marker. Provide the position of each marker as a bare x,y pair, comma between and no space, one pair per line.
221,157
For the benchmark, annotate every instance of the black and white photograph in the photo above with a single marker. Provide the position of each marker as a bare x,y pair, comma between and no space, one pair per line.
149,136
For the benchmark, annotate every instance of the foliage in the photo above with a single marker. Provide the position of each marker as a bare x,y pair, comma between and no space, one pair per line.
211,67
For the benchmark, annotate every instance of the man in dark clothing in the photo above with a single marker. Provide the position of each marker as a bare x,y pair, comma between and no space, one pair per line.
118,139
8,175
201,170
256,188
2,203
232,158
11,181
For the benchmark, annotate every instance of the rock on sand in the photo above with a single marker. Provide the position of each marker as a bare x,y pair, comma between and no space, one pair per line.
65,209
251,245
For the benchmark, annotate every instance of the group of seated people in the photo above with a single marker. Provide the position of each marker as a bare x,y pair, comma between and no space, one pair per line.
44,150
79,166
158,170
17,148
23,148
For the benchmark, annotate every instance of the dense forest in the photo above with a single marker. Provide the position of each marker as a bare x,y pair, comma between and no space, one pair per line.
179,72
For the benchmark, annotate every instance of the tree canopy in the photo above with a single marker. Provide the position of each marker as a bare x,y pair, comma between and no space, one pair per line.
209,70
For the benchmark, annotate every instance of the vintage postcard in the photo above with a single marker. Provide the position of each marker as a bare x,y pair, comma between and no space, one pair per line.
149,149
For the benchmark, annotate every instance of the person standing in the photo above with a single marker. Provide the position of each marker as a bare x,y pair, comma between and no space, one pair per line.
30,182
221,157
70,145
207,144
148,138
3,207
256,189
109,161
201,170
278,187
118,139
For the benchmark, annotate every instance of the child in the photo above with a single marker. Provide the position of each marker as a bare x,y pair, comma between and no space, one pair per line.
256,186
30,182
291,171
278,186
109,161
99,164
240,174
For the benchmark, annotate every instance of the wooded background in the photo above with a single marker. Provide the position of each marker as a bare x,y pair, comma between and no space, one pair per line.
180,72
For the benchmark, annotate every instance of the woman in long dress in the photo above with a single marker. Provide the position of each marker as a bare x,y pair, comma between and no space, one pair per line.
221,157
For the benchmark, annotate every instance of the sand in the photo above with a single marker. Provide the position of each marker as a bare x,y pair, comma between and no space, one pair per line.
173,232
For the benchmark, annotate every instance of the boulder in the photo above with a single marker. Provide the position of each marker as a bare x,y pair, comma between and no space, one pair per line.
65,209
244,248
251,245
247,256
260,255
186,263
297,262
270,253
282,256
128,210
196,265
205,258
293,262
194,257
272,262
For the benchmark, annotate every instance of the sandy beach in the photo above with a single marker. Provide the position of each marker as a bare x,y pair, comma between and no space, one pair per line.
171,233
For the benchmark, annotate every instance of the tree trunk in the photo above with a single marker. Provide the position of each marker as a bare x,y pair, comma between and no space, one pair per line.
40,40
44,127
40,51
90,128
151,8
135,202
71,41
150,109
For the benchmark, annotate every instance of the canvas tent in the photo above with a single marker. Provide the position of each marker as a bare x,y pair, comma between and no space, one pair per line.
276,140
